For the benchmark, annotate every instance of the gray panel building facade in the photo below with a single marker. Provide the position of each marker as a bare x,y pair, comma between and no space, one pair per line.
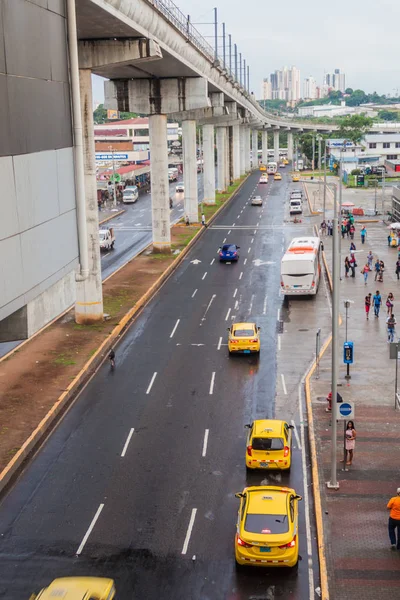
38,233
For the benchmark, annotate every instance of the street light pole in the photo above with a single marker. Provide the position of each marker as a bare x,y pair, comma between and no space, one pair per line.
113,164
313,153
333,483
324,180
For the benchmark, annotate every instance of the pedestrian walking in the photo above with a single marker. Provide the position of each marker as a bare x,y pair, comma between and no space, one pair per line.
348,228
187,221
381,270
352,247
353,265
365,272
389,239
203,220
391,323
389,303
323,228
377,268
343,230
367,304
347,266
370,258
352,231
398,268
330,228
394,521
363,234
377,301
350,442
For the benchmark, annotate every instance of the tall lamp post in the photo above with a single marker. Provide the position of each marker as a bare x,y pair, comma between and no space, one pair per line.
113,166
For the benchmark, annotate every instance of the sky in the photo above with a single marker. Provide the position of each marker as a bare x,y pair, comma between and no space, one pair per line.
360,37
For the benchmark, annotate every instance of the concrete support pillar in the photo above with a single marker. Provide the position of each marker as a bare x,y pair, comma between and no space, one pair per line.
89,292
236,151
290,146
276,145
221,159
242,150
247,149
160,211
190,170
229,134
227,163
209,164
254,148
319,152
265,147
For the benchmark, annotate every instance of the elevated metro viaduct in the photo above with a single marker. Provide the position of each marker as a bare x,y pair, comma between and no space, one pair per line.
157,64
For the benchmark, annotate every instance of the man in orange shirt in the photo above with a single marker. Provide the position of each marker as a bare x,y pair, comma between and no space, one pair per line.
394,520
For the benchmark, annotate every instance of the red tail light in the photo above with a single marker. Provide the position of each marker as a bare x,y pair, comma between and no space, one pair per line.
234,254
254,341
281,283
286,451
313,284
234,342
249,449
221,253
290,544
242,542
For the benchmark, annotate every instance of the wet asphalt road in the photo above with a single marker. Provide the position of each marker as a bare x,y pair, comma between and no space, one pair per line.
173,381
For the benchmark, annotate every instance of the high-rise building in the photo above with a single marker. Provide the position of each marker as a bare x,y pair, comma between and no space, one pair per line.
310,89
335,81
285,84
266,90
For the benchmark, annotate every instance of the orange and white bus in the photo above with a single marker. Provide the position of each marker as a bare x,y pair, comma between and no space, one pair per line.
301,267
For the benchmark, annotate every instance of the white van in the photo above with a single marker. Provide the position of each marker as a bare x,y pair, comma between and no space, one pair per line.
295,206
130,194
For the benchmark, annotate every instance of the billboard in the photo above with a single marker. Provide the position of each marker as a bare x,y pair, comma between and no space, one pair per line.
109,156
112,114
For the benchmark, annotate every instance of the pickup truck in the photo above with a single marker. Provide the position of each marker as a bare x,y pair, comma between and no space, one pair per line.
106,238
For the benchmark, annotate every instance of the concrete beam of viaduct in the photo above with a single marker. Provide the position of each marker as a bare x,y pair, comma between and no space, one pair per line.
104,57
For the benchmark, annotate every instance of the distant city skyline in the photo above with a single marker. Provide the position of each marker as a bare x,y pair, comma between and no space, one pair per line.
285,84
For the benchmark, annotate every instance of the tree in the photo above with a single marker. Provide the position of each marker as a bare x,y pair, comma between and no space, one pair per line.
100,114
354,128
358,97
349,91
305,144
388,115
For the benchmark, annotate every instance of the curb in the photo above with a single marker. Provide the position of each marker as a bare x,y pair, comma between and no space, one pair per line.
97,358
312,212
315,479
121,212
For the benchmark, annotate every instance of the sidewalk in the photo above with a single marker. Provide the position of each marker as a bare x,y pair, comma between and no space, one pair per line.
359,559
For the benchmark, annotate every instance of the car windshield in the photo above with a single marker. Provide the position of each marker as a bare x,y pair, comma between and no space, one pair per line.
259,443
229,248
266,524
243,332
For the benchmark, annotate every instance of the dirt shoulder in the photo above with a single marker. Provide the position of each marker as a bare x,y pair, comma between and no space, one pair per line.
36,374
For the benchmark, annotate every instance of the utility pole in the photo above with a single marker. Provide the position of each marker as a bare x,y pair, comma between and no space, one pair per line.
230,54
376,185
223,45
383,191
333,483
236,64
313,152
113,166
240,69
216,33
319,153
324,179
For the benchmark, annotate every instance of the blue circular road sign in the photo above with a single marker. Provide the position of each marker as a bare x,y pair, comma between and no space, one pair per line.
345,409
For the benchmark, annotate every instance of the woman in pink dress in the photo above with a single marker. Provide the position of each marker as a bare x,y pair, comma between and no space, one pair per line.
351,435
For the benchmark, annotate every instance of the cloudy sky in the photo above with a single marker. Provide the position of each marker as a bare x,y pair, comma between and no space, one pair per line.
360,37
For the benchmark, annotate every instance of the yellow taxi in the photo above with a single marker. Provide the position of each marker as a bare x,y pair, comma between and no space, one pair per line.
267,532
269,445
244,338
285,161
277,176
263,168
78,588
296,177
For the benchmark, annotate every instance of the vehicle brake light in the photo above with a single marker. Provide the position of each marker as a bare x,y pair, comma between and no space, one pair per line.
286,451
281,283
221,253
254,341
249,449
234,254
242,542
313,284
234,342
290,544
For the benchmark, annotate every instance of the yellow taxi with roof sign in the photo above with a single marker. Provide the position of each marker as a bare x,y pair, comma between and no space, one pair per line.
78,588
269,445
277,177
244,338
267,527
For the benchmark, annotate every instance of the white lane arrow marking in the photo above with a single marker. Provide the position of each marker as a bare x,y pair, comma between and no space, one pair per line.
258,262
208,308
196,261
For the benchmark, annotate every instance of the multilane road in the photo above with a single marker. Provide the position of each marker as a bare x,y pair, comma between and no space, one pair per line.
138,480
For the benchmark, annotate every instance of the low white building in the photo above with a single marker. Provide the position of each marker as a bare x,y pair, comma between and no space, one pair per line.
334,110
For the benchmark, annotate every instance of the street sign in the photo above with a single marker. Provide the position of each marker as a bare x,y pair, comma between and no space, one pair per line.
346,410
360,180
348,353
111,156
115,177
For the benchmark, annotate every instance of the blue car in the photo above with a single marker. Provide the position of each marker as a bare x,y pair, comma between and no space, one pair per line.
228,252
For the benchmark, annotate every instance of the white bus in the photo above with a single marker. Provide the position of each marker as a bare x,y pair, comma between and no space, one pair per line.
272,167
301,267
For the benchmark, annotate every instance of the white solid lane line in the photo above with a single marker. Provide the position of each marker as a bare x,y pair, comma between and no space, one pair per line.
234,293
305,495
219,343
279,342
128,439
194,293
296,434
279,314
251,303
207,431
212,383
189,531
212,262
227,314
151,382
265,305
284,384
204,276
89,531
174,329
241,275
